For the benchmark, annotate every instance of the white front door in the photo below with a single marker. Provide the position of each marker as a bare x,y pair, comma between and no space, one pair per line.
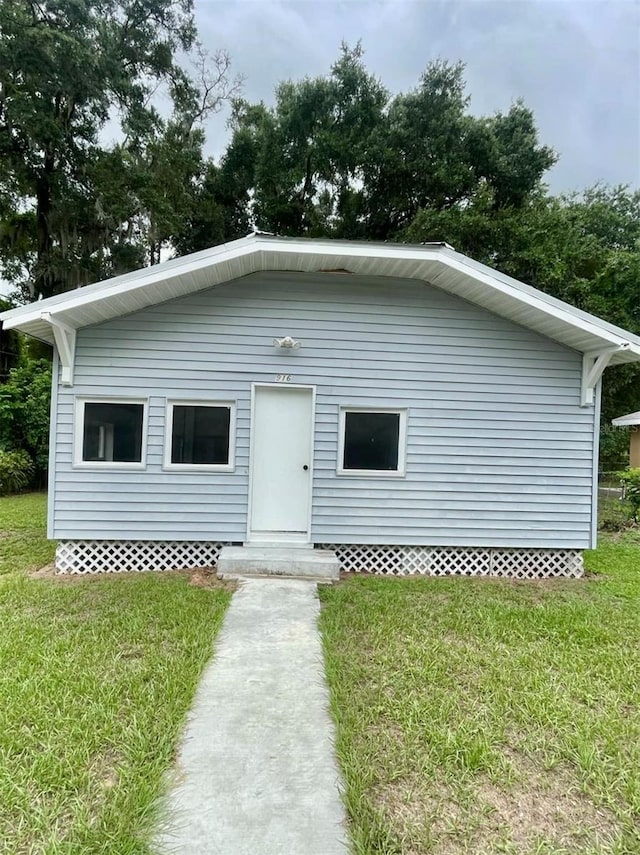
281,466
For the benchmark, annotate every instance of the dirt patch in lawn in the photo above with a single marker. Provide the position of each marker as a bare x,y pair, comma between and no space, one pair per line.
536,807
205,577
202,577
545,805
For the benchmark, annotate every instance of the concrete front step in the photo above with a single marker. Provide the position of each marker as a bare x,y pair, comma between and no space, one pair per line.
280,561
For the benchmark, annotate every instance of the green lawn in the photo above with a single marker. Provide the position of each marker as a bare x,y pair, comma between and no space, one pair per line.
485,716
96,676
474,716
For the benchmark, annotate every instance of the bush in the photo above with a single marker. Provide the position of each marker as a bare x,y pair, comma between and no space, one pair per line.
614,448
631,482
16,471
24,413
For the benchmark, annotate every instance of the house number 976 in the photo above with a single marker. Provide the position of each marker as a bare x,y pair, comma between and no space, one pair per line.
283,378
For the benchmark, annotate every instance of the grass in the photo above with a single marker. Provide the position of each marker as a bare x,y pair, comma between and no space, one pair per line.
486,716
614,514
97,675
473,716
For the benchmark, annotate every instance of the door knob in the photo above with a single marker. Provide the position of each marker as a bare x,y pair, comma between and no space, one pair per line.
305,467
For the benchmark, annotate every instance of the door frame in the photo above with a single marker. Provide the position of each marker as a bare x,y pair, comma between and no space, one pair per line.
266,385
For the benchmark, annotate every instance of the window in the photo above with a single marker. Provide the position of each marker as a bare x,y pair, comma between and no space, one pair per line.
372,442
110,432
200,435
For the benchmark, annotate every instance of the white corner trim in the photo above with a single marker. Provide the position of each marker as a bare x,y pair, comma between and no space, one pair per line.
594,468
53,448
593,366
65,338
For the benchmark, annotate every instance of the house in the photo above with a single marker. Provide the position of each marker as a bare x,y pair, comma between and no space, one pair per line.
405,406
631,421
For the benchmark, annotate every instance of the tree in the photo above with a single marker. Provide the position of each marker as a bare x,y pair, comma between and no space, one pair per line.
10,346
303,162
337,156
70,209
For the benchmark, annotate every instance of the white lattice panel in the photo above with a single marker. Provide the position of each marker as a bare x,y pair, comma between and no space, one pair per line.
537,563
460,561
113,556
116,556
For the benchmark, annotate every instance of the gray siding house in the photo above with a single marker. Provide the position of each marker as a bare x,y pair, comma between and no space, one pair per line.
403,405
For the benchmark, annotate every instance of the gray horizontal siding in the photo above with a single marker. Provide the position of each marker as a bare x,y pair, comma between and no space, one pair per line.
499,451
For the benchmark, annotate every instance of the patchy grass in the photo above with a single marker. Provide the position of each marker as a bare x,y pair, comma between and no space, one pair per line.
23,540
487,716
97,675
614,514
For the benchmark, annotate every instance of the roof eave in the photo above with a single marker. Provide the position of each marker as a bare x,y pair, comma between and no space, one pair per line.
30,318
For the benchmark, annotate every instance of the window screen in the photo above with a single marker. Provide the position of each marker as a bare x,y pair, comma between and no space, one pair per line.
112,432
200,435
371,441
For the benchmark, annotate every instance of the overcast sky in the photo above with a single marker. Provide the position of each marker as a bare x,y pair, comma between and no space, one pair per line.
576,63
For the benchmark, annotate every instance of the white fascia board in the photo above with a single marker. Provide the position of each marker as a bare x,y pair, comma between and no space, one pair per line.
443,255
522,288
561,313
120,286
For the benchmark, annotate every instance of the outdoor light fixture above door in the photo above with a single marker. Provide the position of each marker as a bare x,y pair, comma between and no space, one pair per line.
287,343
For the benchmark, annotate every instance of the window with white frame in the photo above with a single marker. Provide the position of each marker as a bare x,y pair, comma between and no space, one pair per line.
200,434
372,441
110,432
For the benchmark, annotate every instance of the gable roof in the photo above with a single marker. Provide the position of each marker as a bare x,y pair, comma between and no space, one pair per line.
435,263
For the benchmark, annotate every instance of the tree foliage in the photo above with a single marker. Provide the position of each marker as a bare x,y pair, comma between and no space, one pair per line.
10,346
71,209
631,480
24,412
16,471
338,156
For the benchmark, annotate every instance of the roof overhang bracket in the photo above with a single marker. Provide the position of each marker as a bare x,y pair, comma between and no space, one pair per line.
65,338
593,366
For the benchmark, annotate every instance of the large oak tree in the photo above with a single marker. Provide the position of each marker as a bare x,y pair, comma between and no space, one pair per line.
73,209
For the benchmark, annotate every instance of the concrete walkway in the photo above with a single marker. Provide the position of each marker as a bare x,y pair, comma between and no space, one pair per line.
256,773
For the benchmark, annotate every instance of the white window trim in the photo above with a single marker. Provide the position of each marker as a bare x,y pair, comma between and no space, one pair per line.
400,472
199,467
78,437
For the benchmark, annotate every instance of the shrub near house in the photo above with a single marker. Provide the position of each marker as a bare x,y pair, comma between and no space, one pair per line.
631,481
16,471
24,425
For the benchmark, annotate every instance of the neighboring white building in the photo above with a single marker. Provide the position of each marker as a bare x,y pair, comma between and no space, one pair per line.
414,409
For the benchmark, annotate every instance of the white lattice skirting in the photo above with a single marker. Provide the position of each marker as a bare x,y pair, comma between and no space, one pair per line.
112,556
459,561
118,556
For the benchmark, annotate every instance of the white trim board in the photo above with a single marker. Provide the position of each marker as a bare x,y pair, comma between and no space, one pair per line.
401,471
168,435
78,433
252,536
